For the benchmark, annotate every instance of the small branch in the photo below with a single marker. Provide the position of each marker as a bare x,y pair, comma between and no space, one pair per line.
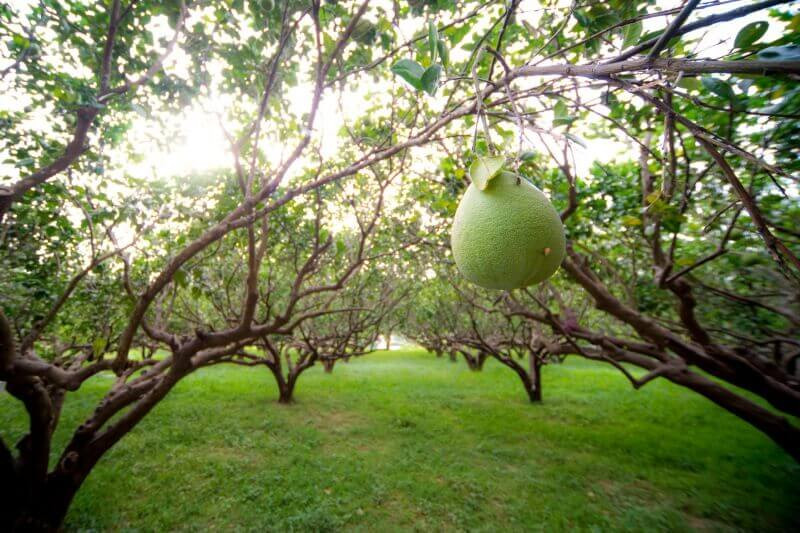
673,28
774,245
702,23
689,268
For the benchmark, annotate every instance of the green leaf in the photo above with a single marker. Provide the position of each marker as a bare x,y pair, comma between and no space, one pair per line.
692,84
561,114
629,220
650,35
411,71
528,155
98,347
718,87
632,33
483,169
444,53
581,18
20,41
787,52
576,139
430,79
433,39
180,278
750,34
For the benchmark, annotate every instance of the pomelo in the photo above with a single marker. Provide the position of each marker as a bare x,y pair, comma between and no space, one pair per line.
507,235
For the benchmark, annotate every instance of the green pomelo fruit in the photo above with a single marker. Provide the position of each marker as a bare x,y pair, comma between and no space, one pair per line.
508,235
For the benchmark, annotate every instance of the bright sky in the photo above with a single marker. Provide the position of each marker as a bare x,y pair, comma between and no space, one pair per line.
200,144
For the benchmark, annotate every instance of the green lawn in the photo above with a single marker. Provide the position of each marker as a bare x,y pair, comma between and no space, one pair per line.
403,441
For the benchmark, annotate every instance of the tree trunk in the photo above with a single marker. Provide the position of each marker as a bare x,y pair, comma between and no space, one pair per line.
536,379
453,357
328,365
285,395
530,380
43,509
474,362
285,387
287,390
534,395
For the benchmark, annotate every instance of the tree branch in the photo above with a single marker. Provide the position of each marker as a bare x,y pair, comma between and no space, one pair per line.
673,28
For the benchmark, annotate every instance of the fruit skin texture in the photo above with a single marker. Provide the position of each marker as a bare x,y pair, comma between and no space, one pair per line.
501,234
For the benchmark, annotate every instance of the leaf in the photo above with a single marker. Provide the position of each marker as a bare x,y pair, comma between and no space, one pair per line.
528,155
444,53
650,35
98,347
787,52
629,220
411,71
581,18
692,84
20,41
576,139
433,39
750,34
483,169
718,87
180,278
632,33
794,25
430,79
457,34
561,114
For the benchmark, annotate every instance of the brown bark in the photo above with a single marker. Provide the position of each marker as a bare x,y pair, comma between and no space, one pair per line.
531,379
536,378
474,361
776,427
43,510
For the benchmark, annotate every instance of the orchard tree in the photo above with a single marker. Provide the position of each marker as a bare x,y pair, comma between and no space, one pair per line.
113,262
466,321
688,249
685,242
341,328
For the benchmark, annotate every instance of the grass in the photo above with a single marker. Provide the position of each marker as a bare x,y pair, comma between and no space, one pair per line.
402,441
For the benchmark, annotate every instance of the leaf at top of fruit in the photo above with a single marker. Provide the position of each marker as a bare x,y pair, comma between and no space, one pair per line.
483,169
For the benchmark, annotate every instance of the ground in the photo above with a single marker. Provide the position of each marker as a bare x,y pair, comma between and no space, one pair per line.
403,441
